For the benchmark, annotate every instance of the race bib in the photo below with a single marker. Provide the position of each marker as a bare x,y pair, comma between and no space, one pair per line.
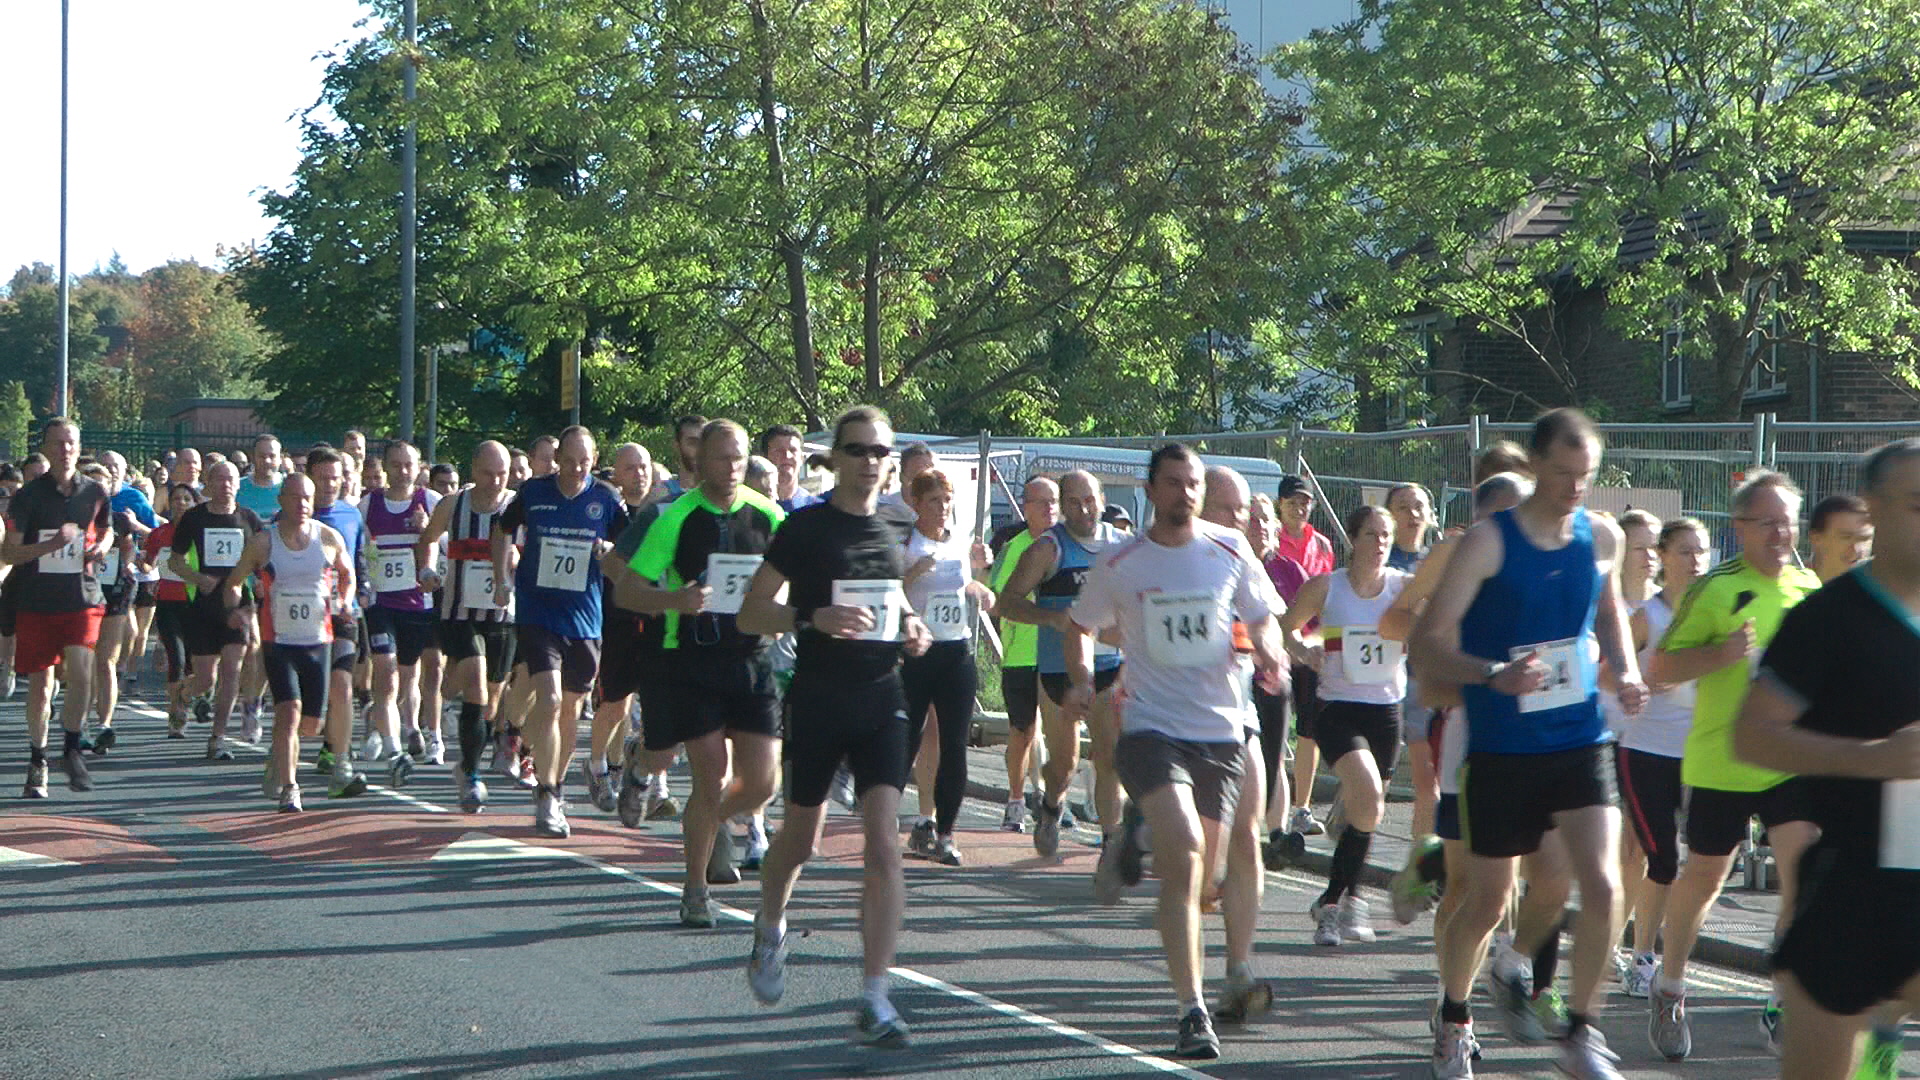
220,548
300,616
1369,659
392,569
1562,687
563,564
110,566
64,559
882,599
165,565
476,583
728,577
1183,629
946,616
1900,825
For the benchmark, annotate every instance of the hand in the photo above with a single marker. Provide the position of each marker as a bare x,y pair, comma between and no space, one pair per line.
982,557
428,578
1523,676
1633,696
1897,757
417,520
67,532
126,518
919,638
843,621
1077,704
1274,678
1316,657
502,592
237,619
691,599
1738,645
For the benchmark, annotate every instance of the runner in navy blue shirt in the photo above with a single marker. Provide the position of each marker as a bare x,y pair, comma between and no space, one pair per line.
556,588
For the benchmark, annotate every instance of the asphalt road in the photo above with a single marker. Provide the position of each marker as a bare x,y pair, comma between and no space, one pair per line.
171,924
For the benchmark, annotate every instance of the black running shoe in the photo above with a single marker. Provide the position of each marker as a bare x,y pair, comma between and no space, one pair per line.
1197,1040
104,741
74,763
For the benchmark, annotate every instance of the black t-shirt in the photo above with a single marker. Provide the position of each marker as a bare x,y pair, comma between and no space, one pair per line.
1850,653
213,543
817,546
62,581
631,536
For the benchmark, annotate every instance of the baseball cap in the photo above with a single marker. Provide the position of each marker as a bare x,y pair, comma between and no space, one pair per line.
1293,485
1114,514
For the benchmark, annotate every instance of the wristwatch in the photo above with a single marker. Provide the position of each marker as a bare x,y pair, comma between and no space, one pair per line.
1491,671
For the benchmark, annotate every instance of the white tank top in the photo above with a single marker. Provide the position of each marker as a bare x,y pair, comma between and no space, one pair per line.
1453,749
1361,665
299,591
1661,728
940,594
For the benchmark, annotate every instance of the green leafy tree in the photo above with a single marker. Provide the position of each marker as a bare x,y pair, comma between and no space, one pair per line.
30,338
1739,143
16,419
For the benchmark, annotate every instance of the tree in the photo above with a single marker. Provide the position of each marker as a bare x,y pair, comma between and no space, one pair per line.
16,420
1734,140
967,212
30,338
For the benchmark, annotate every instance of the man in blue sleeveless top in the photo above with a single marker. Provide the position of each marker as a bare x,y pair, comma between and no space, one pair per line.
1530,604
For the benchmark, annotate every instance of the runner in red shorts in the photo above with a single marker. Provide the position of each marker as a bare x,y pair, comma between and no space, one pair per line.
58,530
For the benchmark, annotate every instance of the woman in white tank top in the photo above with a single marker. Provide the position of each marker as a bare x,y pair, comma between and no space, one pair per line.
1363,678
1648,757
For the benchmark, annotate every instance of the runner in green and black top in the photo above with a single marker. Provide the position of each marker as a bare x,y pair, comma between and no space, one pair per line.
699,557
1019,677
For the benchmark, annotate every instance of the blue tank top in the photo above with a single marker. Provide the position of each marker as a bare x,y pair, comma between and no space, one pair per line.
1060,590
1538,598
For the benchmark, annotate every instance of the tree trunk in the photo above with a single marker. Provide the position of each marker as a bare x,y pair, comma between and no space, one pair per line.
790,249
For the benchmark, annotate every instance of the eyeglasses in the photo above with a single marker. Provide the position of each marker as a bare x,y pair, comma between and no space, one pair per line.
876,451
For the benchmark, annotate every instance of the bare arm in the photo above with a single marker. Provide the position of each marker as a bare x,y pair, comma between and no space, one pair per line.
1307,606
436,527
764,609
1397,623
252,558
1766,733
1036,564
1435,644
502,581
1686,665
1610,622
15,550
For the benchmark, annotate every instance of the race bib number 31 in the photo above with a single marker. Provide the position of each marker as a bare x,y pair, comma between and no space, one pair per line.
883,600
1183,630
1563,686
563,564
476,582
1369,659
728,576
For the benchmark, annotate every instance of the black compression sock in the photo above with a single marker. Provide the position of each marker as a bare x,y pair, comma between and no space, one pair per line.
1546,961
1454,1012
473,737
1575,1022
1349,857
72,740
37,755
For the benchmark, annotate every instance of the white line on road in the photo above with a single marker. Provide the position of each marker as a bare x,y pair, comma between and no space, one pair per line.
973,997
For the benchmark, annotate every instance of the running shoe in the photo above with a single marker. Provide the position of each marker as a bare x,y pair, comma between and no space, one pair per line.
74,764
436,749
1453,1051
1197,1040
1326,924
1242,999
1512,994
250,723
696,909
661,805
722,869
944,852
767,967
203,709
10,683
888,1034
473,793
1667,1026
1282,849
345,782
104,741
1550,1009
1046,830
323,761
1119,865
1412,893
36,781
416,743
1356,920
375,749
599,790
1303,822
549,817
1584,1056
506,758
1770,1018
757,845
843,790
920,840
1473,1041
1639,981
631,803
216,749
529,776
1882,1059
400,770
176,725
1015,819
1622,963
290,799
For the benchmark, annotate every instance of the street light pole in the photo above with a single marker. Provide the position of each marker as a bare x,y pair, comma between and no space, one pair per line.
66,328
408,212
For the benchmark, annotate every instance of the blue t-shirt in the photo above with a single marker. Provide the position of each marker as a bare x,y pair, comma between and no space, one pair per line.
132,498
557,585
264,501
801,498
344,518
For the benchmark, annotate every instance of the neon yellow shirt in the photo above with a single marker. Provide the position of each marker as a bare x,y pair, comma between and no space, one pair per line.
1021,641
1716,606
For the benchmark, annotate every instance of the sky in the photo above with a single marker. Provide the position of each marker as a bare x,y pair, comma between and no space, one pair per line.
183,111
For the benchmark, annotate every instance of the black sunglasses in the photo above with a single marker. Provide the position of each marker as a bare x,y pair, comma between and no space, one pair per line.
876,451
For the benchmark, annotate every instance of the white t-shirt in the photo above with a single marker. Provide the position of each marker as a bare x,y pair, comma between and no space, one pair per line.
1175,608
1662,727
939,595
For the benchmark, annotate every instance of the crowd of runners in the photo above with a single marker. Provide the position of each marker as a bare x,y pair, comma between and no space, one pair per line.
1593,717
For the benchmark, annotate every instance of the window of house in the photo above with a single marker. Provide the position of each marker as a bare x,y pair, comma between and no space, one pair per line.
1425,335
1676,387
1766,375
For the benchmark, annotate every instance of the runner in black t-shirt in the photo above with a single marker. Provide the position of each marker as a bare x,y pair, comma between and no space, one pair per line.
207,542
840,567
58,528
1837,700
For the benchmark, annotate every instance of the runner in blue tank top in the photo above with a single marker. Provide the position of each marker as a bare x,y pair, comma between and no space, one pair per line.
1051,571
556,589
1531,599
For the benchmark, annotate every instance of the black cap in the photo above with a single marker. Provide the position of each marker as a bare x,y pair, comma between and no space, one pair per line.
1293,485
1115,513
